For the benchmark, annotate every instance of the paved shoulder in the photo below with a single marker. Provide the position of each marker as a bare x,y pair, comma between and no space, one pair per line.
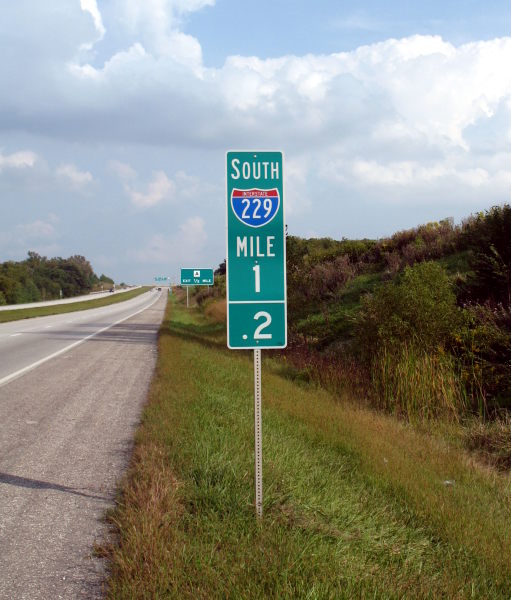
67,429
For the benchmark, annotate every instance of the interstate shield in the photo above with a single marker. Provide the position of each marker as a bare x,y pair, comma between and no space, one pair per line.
255,207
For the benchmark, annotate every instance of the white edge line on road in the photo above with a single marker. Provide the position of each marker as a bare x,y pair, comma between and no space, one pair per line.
15,334
21,372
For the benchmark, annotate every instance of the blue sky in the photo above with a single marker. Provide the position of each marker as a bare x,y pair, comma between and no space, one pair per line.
275,28
116,116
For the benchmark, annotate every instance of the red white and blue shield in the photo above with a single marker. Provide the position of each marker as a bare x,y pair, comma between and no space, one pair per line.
255,207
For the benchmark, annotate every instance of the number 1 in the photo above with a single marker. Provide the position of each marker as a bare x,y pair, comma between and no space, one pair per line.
257,271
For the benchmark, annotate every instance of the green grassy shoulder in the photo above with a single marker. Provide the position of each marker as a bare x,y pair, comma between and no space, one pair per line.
57,309
356,505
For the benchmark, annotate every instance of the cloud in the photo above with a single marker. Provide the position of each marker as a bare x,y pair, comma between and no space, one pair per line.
39,235
186,246
122,170
183,187
404,95
193,188
157,24
37,230
404,173
18,160
390,124
71,174
398,95
91,7
298,197
153,86
159,189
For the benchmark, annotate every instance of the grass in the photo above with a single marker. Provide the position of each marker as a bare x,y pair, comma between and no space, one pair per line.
416,384
57,309
356,505
457,263
357,287
491,441
329,324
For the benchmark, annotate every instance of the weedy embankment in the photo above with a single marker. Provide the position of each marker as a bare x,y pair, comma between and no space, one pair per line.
356,505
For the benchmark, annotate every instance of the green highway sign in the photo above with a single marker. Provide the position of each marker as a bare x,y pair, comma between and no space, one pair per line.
256,251
161,278
197,276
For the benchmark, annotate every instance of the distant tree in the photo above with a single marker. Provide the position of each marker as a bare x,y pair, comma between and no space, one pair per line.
222,268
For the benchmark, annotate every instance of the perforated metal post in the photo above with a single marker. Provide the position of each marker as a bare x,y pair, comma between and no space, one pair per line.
258,434
186,296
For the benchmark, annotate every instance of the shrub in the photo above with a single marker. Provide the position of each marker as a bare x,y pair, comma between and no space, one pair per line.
483,348
488,237
419,308
327,278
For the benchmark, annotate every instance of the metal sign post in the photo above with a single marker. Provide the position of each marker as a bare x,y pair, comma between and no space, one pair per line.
258,434
256,268
187,297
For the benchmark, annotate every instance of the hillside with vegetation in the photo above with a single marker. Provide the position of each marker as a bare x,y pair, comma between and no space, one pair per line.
417,324
39,278
421,320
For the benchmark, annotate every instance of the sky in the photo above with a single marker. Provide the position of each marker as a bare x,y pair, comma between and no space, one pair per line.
116,116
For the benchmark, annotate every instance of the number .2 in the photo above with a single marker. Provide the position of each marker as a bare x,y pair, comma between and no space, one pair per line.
266,323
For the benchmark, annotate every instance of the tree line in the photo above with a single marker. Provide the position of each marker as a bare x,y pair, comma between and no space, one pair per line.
40,278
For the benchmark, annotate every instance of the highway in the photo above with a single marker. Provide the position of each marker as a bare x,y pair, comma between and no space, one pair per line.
27,342
71,392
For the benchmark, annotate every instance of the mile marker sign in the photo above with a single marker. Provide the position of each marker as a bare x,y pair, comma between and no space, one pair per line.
256,251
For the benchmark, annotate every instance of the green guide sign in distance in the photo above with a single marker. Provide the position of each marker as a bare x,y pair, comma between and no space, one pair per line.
256,251
197,276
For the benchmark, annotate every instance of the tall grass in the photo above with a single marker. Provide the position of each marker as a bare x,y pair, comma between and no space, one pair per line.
339,374
416,384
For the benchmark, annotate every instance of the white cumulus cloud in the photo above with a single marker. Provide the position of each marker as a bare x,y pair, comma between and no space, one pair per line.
91,7
159,189
18,160
72,175
400,124
186,245
122,170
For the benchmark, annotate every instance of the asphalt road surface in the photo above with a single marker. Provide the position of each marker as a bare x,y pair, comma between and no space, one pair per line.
66,430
